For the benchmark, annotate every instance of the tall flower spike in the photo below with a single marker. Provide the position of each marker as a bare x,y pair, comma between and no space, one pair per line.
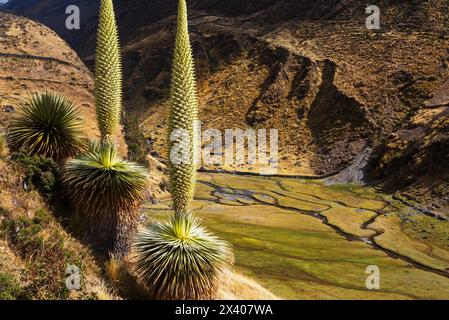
183,116
108,73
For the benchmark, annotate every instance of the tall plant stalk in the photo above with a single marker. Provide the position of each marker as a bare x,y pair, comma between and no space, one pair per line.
108,73
183,117
105,188
179,259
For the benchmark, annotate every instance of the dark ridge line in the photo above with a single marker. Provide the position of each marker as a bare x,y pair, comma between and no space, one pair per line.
40,23
29,79
33,57
287,176
21,15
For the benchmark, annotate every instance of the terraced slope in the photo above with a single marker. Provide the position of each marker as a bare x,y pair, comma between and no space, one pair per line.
304,240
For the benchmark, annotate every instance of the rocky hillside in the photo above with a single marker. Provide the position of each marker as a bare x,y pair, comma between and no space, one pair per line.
35,247
414,159
308,68
33,59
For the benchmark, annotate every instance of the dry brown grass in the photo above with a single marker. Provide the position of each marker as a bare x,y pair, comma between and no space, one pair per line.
37,248
42,62
238,287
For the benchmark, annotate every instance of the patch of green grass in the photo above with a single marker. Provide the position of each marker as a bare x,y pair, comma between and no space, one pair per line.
429,229
10,288
44,249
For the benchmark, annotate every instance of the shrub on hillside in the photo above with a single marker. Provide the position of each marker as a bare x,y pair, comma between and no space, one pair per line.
47,125
40,173
44,247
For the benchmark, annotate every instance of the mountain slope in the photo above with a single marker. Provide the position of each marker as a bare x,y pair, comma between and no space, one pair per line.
35,249
35,59
329,85
308,68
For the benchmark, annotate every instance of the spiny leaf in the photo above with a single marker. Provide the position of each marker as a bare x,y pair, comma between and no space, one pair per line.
180,260
47,125
105,188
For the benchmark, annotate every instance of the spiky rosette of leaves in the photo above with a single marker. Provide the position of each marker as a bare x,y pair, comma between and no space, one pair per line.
47,125
183,117
108,72
180,260
107,190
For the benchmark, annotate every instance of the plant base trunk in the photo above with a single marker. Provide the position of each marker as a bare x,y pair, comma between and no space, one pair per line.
121,240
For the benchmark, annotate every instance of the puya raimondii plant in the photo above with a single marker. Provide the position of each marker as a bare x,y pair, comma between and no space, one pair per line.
108,190
103,187
182,119
179,259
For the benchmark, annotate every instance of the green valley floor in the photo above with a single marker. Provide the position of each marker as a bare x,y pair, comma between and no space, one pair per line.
302,239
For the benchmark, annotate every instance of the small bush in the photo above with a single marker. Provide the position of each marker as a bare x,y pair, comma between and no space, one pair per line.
40,173
44,249
47,125
22,230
